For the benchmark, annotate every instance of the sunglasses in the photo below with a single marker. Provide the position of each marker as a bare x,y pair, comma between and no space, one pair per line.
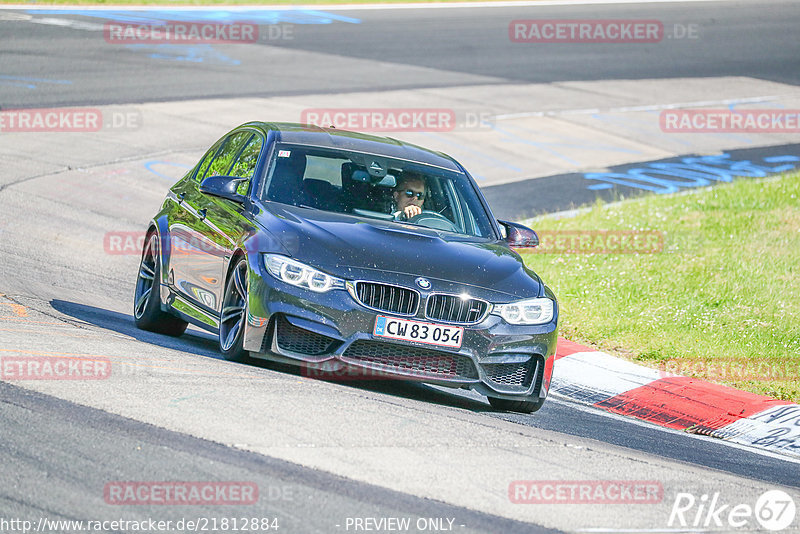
411,194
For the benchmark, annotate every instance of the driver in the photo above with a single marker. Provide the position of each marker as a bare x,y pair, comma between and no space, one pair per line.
409,195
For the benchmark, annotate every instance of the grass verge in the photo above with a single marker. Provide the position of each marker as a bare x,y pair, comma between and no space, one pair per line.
718,298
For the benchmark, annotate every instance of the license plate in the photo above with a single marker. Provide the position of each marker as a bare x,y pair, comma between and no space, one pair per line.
432,334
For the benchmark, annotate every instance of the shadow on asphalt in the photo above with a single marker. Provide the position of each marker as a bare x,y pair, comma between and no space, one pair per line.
201,343
194,342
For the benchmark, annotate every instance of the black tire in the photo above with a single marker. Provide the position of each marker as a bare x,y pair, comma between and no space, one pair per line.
234,314
515,405
147,313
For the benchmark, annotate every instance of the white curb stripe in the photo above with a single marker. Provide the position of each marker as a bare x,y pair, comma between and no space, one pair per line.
593,377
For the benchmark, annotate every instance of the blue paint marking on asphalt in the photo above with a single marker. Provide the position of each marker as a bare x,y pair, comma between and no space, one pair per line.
598,187
670,177
778,159
27,82
18,84
253,16
150,164
201,53
771,105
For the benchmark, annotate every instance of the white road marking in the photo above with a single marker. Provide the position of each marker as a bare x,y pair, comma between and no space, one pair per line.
649,107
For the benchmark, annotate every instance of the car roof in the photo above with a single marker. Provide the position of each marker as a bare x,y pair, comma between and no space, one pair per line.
310,135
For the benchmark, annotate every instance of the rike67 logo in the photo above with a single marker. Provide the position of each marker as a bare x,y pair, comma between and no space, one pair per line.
774,510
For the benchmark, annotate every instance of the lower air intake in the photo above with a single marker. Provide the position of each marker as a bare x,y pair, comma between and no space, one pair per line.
408,360
292,338
515,375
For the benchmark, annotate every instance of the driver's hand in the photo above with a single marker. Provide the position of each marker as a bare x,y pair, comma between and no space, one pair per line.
412,211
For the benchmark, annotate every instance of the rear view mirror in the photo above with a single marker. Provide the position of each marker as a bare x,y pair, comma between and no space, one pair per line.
519,236
387,180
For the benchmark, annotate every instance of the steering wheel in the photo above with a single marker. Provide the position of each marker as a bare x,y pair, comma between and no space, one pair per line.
434,220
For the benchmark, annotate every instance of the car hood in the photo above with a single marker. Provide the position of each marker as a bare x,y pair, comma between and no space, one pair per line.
354,247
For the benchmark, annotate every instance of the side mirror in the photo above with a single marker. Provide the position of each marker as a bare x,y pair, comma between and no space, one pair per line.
519,236
223,187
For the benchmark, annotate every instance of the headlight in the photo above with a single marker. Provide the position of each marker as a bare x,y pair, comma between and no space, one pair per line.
299,274
531,311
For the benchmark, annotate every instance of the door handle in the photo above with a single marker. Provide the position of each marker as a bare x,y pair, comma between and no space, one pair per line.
202,214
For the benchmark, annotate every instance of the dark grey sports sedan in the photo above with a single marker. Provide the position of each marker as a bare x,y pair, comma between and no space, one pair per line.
336,250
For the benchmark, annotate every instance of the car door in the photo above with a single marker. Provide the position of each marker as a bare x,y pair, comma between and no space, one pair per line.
183,225
226,222
199,245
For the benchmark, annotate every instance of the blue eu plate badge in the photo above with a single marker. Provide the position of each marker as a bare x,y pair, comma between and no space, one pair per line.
380,326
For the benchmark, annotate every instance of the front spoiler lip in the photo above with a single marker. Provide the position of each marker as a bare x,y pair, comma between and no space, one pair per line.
323,362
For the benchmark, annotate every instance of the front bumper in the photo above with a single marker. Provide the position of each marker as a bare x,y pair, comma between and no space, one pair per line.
331,334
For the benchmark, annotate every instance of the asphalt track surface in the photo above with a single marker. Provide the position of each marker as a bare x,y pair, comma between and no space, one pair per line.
755,39
58,453
85,448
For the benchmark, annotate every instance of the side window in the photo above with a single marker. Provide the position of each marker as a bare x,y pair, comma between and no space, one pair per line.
245,164
201,172
225,157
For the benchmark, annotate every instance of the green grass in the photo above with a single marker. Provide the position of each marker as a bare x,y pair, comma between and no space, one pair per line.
725,288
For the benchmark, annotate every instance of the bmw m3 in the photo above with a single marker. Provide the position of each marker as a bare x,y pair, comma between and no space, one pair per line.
332,249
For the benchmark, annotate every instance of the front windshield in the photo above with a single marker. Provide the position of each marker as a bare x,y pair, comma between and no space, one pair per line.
378,187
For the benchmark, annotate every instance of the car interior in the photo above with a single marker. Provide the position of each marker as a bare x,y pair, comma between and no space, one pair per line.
333,182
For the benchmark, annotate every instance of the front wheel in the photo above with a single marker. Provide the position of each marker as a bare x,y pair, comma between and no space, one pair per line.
147,313
515,405
234,314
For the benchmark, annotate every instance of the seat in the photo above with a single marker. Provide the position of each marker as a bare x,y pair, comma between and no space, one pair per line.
363,195
286,186
322,195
